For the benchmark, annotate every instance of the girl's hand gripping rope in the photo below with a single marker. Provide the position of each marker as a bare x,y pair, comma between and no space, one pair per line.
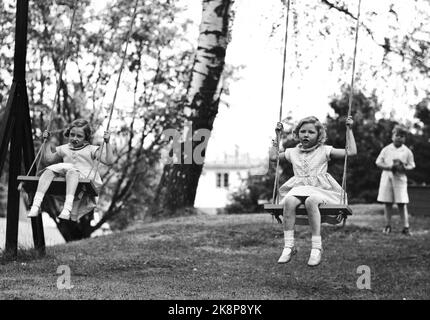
46,134
278,130
106,136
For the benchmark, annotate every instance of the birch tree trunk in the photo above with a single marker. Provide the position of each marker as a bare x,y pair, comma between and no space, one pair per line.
178,185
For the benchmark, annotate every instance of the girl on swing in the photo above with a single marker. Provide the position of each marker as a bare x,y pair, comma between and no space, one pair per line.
311,184
73,160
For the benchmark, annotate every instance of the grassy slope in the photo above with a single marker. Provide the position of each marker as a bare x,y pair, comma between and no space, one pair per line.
230,257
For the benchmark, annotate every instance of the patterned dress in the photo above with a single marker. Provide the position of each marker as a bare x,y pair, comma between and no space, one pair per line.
310,175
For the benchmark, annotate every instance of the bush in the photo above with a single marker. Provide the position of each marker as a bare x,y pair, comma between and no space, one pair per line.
242,202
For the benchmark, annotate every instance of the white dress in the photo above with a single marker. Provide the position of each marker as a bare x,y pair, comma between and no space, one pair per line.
82,160
310,175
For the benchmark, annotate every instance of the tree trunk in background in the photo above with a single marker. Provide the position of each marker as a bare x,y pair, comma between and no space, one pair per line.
178,185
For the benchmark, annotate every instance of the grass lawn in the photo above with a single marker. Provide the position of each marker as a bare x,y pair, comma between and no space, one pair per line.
230,257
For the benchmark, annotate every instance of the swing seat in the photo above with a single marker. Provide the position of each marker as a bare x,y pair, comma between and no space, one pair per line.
330,213
58,186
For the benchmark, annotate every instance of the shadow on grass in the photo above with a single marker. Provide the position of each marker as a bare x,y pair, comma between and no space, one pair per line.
23,255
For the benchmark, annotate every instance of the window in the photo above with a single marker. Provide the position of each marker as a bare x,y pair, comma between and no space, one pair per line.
218,180
222,180
225,180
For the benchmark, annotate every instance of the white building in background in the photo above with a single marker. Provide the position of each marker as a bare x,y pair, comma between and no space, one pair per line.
221,177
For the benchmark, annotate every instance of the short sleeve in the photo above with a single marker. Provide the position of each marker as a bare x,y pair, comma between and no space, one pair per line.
60,151
380,158
327,151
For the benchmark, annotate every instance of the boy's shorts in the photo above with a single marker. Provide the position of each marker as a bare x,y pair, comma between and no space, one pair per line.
393,188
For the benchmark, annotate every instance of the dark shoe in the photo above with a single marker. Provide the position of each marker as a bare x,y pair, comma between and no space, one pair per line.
387,230
406,231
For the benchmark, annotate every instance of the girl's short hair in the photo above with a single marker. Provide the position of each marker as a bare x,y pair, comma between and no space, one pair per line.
322,135
80,123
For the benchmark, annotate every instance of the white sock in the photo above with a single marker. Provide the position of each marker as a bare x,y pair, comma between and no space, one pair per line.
289,238
68,204
37,200
316,242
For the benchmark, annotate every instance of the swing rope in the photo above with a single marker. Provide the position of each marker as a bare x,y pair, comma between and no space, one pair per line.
278,132
351,93
130,29
66,49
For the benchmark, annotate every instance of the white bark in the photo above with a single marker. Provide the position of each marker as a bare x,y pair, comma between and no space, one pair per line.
212,44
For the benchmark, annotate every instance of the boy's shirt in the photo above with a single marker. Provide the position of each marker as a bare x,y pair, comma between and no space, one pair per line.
390,153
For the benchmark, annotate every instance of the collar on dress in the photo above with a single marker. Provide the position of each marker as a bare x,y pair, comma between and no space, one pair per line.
300,147
79,148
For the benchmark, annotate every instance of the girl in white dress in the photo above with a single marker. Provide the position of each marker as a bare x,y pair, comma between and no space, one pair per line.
311,184
73,160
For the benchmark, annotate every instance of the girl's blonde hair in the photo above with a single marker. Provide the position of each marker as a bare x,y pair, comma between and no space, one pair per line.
80,123
322,135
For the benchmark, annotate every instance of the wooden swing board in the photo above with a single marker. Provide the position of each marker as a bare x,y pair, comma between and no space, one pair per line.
325,209
58,185
330,213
